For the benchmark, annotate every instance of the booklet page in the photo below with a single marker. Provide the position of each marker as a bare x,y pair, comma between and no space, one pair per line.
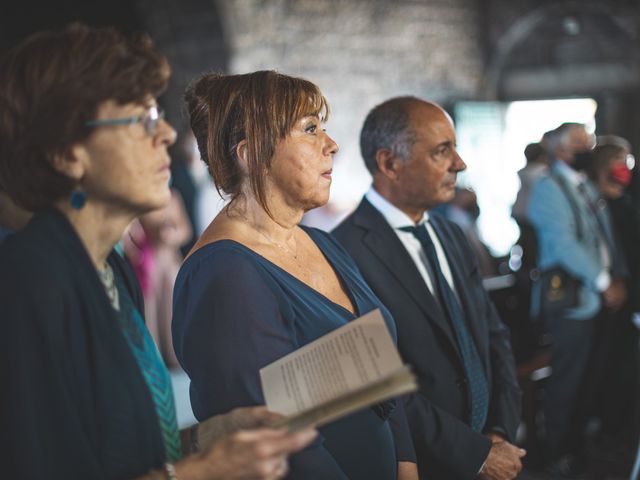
347,359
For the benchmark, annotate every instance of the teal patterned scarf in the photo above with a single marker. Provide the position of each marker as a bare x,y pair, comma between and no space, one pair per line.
153,370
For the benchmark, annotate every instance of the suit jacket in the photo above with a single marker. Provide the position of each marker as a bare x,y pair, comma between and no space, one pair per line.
73,402
625,219
439,413
528,177
618,267
556,225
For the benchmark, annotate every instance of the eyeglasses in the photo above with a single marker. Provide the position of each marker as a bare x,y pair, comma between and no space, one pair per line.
149,120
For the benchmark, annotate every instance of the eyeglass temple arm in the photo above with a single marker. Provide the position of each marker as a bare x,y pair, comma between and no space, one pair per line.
112,121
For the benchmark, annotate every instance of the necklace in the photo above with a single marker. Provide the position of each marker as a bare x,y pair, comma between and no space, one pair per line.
242,216
108,281
285,248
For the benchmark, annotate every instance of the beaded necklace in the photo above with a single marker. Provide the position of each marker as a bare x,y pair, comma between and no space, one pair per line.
108,280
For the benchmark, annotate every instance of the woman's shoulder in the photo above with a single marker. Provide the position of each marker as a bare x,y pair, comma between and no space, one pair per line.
222,261
27,258
46,239
218,254
223,278
44,280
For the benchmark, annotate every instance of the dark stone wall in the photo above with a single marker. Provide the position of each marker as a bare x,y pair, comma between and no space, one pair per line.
360,53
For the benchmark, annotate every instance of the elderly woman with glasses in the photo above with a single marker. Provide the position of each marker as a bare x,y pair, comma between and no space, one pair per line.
83,144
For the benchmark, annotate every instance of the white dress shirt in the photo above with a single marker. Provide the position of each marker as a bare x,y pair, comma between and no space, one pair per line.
397,219
603,280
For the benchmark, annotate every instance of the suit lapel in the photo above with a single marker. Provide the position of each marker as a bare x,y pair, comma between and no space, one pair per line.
385,245
587,220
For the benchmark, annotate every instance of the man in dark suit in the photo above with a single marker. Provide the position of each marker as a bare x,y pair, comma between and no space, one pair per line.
466,412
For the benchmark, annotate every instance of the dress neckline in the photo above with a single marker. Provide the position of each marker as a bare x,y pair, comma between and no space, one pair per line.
344,284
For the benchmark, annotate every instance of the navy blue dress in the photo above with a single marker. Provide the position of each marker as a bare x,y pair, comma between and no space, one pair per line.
235,312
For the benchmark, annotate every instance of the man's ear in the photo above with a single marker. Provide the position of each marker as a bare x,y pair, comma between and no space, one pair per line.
73,162
387,163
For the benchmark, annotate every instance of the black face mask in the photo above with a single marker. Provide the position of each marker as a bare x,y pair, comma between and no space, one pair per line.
582,160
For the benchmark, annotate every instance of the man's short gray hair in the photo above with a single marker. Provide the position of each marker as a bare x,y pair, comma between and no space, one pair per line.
387,126
560,136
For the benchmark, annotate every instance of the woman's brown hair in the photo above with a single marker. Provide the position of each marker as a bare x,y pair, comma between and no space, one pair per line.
54,82
602,157
261,108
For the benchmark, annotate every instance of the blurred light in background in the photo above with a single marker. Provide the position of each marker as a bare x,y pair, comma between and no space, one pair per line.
491,140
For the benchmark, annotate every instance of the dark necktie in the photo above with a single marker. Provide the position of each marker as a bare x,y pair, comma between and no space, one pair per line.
478,388
598,214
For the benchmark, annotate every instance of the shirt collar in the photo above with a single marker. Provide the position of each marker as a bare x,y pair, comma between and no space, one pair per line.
394,216
575,178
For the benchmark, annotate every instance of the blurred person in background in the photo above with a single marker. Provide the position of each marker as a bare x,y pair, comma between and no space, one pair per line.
83,144
183,181
537,165
562,210
609,169
152,245
527,330
464,211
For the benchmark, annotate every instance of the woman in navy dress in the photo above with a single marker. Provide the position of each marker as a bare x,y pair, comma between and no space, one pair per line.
257,286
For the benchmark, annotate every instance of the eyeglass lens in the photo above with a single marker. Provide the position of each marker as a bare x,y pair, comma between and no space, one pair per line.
151,119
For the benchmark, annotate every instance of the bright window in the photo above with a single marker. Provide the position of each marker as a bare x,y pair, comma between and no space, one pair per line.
491,140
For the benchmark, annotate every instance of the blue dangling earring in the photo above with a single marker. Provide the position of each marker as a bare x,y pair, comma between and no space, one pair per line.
78,198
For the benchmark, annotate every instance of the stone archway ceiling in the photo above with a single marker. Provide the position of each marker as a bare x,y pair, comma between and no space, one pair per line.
596,39
21,18
566,48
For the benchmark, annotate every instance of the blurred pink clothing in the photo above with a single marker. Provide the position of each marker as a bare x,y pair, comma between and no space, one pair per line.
153,248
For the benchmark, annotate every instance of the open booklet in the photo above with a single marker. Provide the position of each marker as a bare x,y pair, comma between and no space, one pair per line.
354,366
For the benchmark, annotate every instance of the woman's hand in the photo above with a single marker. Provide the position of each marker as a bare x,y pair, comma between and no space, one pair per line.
246,455
244,418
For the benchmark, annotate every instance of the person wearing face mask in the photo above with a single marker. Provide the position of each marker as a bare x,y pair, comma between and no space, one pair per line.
610,169
572,236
